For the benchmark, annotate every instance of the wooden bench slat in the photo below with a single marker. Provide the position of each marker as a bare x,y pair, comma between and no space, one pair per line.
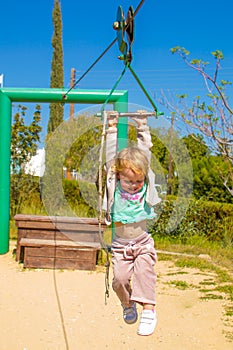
46,242
52,263
57,219
59,236
59,226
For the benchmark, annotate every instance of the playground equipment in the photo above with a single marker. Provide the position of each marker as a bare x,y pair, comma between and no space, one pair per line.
119,99
125,38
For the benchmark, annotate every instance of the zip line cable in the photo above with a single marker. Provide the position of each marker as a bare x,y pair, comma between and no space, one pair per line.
88,70
59,305
114,87
100,190
58,299
102,54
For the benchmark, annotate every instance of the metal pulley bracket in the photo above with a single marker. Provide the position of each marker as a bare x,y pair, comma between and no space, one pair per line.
123,26
125,37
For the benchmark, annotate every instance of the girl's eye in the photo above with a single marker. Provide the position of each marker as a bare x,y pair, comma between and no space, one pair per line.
126,182
132,183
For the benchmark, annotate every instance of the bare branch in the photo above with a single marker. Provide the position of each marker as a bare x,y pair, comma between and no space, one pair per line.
214,120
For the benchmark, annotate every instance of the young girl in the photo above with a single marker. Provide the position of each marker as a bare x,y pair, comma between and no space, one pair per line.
130,197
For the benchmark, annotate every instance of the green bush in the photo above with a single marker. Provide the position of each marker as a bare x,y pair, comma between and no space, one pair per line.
82,197
210,219
25,193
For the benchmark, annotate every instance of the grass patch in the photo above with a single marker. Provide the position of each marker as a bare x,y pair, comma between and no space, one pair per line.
13,230
222,282
107,236
179,284
212,296
207,283
197,245
203,265
229,311
165,257
227,289
177,273
206,290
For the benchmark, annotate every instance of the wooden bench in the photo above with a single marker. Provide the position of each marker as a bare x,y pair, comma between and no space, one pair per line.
58,242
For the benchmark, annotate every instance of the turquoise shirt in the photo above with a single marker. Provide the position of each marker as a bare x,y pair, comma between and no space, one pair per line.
128,208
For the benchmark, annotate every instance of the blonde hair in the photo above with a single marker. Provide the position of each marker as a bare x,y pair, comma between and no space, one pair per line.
132,158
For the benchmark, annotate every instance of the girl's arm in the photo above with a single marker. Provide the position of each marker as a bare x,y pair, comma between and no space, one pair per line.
145,144
111,140
111,150
143,135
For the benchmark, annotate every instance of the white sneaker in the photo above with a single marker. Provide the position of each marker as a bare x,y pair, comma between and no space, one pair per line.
148,322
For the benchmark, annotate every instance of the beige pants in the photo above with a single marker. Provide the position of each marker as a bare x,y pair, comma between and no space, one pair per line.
134,260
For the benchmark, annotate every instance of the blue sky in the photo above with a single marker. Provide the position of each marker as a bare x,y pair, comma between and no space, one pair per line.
200,26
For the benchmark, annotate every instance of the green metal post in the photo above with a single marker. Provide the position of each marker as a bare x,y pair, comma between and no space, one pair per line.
5,140
122,106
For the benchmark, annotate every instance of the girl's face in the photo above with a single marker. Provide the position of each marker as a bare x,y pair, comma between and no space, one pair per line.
130,181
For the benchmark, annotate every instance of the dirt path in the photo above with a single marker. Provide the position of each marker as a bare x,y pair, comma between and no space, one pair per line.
61,310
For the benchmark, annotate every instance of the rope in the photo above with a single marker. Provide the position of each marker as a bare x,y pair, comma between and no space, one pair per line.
58,297
107,265
60,310
114,87
104,115
138,8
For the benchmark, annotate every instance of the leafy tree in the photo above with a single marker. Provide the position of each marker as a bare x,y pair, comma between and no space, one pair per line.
72,144
196,146
206,167
56,109
24,143
213,118
174,159
159,150
84,154
57,72
25,139
163,146
207,183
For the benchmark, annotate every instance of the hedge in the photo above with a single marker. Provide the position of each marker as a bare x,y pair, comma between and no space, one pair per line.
211,219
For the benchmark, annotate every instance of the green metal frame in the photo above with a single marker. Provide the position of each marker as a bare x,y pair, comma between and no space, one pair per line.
8,95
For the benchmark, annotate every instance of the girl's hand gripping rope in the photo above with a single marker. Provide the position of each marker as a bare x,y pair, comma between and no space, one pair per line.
141,120
112,119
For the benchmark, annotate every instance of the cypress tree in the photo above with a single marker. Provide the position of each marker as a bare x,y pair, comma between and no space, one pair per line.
57,71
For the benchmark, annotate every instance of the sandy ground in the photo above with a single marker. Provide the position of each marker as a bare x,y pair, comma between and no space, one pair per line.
61,310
